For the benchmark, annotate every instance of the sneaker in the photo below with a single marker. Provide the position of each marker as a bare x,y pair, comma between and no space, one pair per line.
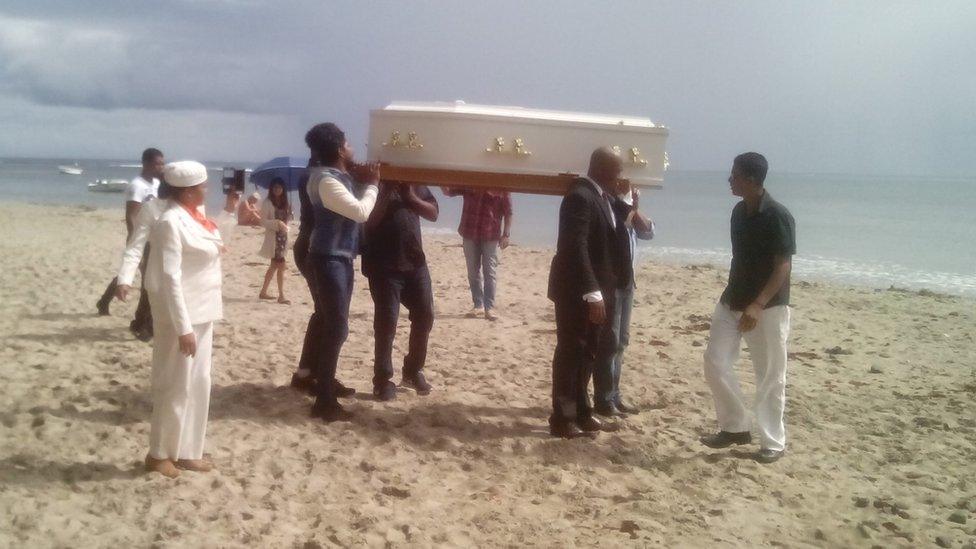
417,382
473,313
491,315
385,392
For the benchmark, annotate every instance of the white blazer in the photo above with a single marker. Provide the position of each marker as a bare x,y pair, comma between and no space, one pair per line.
183,277
132,256
270,225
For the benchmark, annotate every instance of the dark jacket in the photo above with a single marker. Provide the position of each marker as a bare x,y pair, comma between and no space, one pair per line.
585,247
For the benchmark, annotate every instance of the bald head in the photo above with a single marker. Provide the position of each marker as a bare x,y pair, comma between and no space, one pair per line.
605,167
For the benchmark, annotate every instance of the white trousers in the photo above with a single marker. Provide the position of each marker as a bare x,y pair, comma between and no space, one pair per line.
767,345
180,394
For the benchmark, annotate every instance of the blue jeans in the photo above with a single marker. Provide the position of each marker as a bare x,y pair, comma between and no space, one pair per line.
606,373
481,255
332,280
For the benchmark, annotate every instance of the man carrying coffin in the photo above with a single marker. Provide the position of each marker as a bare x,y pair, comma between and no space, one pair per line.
395,264
582,281
338,209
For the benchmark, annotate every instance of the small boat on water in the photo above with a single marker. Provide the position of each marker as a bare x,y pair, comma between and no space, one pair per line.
108,186
71,170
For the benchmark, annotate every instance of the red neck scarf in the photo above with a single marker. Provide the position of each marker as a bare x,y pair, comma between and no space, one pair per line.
201,219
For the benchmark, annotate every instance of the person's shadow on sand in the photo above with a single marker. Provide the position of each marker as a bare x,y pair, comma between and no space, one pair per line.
29,471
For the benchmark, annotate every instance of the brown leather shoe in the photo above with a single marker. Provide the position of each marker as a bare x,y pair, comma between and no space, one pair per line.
164,467
198,465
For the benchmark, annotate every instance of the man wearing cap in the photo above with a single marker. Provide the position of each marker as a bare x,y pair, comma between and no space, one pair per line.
183,280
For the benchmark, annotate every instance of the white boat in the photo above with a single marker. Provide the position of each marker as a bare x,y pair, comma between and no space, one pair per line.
108,186
71,170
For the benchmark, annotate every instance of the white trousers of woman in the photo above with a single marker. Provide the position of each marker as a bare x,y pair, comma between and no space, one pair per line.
180,394
767,346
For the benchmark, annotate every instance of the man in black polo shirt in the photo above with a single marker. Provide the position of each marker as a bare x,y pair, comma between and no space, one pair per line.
754,306
395,264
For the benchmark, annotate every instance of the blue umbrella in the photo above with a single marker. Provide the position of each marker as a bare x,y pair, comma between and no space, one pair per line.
289,168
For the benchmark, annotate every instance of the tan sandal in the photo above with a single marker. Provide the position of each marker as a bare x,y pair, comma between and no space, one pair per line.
164,467
198,465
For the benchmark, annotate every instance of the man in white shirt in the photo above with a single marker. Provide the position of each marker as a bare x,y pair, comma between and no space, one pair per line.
339,206
143,188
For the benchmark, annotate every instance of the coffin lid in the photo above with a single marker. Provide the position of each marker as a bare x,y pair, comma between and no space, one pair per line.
460,107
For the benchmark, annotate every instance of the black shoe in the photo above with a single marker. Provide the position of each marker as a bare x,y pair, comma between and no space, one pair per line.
607,410
417,382
330,413
724,439
304,384
768,456
102,308
341,390
567,429
626,408
142,333
385,392
591,425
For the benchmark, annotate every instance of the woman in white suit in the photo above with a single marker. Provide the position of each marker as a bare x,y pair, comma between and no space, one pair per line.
183,280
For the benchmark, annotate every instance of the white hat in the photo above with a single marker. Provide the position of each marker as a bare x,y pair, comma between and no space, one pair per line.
185,173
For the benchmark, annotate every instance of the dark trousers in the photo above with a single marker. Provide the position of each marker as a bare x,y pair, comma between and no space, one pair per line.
389,290
332,283
579,344
143,316
313,331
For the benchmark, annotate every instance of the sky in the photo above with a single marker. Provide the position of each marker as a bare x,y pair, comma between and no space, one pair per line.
870,87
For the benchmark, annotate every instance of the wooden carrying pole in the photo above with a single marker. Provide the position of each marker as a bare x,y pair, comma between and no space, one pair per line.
512,182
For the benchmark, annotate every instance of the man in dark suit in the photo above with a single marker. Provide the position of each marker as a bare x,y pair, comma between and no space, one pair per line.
581,284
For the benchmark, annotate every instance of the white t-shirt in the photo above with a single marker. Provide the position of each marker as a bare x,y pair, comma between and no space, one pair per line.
140,190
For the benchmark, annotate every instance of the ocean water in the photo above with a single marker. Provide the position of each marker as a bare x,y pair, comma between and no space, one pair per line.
872,231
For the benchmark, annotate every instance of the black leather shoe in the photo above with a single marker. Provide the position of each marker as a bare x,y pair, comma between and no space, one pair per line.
626,408
768,456
102,308
304,384
591,425
385,392
331,413
417,382
341,390
607,410
567,429
724,439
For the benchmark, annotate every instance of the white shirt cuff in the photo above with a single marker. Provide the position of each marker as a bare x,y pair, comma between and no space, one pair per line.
593,297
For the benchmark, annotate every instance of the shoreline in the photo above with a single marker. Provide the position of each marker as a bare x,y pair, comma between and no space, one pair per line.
646,253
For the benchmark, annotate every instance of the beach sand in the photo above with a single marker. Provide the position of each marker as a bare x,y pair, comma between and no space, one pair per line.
881,418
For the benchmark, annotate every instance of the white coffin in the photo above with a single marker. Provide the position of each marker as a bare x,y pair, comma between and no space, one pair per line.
515,148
